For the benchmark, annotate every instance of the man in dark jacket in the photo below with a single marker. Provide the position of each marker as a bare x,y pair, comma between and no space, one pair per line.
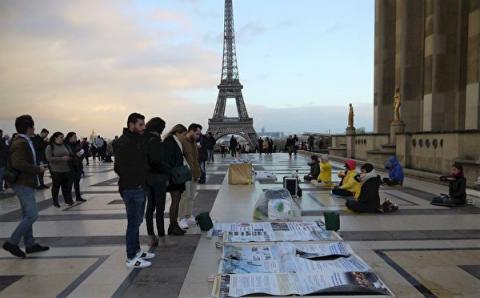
3,158
369,199
210,147
24,164
131,167
40,143
203,157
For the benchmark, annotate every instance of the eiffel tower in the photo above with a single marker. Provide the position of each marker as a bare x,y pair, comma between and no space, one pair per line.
230,87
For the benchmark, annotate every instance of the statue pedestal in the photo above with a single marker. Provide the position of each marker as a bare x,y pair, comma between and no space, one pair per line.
350,140
396,126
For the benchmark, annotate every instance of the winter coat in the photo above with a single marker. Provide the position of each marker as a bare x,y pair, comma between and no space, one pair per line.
351,184
40,147
457,190
314,169
202,151
130,160
325,172
211,143
76,162
369,198
3,153
190,151
55,154
396,170
158,171
21,157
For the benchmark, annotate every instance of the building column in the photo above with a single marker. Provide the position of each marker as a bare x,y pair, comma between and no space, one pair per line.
441,109
384,84
472,100
410,39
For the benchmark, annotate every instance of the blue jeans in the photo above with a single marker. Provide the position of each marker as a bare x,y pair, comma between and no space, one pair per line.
134,200
28,203
203,172
2,171
210,155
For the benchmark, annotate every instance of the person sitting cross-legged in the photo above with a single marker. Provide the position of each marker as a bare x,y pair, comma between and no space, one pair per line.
348,187
314,169
369,200
395,172
457,195
325,170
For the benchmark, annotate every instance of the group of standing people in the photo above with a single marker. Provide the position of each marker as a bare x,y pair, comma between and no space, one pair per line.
265,146
149,168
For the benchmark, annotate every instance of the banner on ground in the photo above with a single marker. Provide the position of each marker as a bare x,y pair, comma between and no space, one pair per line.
285,284
272,232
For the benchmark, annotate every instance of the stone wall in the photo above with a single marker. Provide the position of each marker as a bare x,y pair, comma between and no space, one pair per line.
424,151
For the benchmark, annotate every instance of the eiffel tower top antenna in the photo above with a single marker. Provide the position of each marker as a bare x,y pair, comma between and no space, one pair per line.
229,65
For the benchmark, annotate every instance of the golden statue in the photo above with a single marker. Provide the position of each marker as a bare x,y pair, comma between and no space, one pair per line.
350,116
397,103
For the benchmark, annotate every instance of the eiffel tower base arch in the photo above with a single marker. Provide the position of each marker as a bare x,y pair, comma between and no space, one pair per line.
233,126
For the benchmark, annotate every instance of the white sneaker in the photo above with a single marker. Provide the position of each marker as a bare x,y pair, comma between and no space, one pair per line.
183,223
191,221
138,263
145,255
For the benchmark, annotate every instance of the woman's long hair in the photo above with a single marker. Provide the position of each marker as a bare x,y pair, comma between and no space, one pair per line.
68,136
179,128
54,136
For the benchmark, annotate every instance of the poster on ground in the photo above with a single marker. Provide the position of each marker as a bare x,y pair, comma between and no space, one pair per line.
272,232
293,264
285,284
270,251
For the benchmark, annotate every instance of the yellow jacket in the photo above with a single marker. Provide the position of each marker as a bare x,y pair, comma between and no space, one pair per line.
325,172
350,184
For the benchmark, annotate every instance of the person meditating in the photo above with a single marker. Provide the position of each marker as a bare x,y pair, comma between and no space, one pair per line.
348,187
368,200
314,169
395,172
325,170
457,194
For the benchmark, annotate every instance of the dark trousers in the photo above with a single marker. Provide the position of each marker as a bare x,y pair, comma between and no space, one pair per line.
77,176
203,172
64,181
134,200
356,206
210,155
156,203
390,182
342,192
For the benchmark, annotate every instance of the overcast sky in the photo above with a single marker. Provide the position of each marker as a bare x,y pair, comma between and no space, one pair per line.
86,64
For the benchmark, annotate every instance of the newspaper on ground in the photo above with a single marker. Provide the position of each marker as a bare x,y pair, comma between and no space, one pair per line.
272,232
285,284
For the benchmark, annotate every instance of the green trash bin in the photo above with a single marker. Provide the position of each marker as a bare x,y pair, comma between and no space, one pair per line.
332,220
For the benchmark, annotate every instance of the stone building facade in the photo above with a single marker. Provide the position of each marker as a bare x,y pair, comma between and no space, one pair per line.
430,50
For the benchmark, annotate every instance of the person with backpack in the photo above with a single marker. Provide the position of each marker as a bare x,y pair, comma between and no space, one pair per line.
368,200
457,188
61,168
349,187
22,173
395,172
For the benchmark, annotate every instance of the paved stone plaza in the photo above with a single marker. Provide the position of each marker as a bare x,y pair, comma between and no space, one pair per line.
422,250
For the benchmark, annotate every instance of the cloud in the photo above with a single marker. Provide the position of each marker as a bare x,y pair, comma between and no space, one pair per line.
63,61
